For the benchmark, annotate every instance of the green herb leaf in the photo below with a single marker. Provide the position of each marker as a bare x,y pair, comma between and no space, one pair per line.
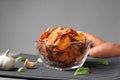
104,62
81,71
20,59
21,69
39,60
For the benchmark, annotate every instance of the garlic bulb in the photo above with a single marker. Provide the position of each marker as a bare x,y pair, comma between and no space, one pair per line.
6,61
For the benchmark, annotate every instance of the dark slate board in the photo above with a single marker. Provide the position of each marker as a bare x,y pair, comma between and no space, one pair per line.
97,71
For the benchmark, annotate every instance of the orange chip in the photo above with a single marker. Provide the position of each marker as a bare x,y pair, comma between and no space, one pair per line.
79,57
55,30
64,42
54,35
45,34
80,37
73,32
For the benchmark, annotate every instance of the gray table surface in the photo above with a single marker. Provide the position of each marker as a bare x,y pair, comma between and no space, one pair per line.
97,71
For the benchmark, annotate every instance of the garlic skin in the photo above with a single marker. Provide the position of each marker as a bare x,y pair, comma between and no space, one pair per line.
28,64
6,61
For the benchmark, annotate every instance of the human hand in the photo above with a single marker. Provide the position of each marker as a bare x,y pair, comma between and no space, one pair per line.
101,48
105,50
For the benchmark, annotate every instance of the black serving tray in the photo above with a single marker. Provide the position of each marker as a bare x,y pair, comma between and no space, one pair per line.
40,72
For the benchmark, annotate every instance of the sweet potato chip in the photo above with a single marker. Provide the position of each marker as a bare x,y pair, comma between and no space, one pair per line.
64,30
45,34
64,42
73,32
64,59
79,57
55,29
54,35
80,37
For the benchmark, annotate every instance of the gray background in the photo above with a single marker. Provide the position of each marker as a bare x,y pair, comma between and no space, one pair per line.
22,21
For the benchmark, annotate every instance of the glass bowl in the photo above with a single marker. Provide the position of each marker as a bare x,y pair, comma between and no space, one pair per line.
71,57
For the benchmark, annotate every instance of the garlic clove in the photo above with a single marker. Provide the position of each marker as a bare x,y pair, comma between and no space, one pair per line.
28,64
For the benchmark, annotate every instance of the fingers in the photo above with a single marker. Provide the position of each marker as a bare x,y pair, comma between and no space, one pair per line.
105,50
101,48
97,52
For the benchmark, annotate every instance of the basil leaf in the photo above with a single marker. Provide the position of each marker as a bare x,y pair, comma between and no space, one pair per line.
81,71
20,59
21,69
39,60
104,62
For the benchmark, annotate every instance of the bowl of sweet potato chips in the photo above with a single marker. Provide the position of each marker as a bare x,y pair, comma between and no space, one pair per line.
63,48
